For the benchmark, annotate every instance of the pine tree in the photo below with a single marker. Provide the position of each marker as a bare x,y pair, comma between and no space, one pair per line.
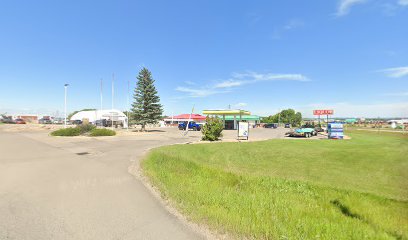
146,108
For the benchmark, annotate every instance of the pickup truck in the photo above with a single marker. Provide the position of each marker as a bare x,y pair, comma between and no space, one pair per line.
302,132
191,125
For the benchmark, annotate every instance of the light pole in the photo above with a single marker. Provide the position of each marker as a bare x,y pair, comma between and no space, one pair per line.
65,105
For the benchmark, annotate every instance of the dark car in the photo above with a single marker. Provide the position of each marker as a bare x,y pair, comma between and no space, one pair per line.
287,125
19,121
271,125
101,123
44,121
319,129
191,125
76,122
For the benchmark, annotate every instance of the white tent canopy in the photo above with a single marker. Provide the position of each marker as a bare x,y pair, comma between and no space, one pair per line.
110,114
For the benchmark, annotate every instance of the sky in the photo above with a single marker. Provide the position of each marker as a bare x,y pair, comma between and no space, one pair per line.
263,56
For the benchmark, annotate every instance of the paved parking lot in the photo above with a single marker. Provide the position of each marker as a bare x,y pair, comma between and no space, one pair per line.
80,187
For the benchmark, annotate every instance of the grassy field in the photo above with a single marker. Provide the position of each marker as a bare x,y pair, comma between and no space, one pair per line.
291,189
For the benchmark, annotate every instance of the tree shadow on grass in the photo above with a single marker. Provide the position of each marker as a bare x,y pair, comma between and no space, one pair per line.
347,212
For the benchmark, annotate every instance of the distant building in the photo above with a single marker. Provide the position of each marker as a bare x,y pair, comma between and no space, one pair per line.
28,118
92,116
398,121
184,118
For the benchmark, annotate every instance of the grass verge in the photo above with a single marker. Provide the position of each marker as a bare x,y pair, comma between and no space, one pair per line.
283,189
97,132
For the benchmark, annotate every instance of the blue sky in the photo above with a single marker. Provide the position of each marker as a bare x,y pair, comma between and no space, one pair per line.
346,55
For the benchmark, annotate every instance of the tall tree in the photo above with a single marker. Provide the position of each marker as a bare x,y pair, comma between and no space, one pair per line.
146,107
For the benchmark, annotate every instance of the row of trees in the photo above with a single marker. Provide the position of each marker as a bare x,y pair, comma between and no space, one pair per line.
285,116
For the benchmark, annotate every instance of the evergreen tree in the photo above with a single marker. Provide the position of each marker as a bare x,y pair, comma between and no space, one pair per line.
146,108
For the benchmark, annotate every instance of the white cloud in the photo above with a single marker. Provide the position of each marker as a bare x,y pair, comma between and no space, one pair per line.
291,25
396,72
198,92
239,79
190,83
294,23
403,2
346,5
399,94
239,105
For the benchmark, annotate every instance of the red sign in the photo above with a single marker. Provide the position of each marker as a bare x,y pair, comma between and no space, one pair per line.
323,112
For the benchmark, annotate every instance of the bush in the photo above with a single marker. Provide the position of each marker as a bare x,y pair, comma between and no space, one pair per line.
67,132
102,132
212,129
84,128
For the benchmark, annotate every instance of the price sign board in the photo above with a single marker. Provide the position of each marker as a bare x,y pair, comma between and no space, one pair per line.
335,131
323,112
243,130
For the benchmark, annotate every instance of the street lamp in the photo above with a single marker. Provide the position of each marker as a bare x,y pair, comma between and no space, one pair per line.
65,105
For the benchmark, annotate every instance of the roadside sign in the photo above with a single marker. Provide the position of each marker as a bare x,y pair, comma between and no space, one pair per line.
243,130
335,130
323,112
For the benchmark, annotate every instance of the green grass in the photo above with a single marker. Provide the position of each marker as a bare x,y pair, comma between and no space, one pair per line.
291,189
67,132
86,129
97,132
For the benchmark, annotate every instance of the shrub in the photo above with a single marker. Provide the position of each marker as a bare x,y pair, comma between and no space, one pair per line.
67,132
212,129
84,128
96,132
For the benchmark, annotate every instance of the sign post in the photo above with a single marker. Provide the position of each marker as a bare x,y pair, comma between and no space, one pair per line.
243,130
335,131
326,112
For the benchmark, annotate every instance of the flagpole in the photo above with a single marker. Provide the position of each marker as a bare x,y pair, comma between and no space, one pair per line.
128,105
101,96
113,93
188,122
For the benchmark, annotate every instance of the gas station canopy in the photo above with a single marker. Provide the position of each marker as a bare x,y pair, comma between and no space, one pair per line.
227,112
234,114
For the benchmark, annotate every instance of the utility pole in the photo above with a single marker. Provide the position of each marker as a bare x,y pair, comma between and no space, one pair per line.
101,90
128,105
113,93
65,105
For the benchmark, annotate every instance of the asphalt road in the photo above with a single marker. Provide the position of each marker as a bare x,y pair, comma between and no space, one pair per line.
80,188
48,191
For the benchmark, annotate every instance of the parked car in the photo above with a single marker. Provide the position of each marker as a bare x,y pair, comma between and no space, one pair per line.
7,120
19,121
58,121
287,125
44,121
101,123
191,125
76,122
271,125
319,129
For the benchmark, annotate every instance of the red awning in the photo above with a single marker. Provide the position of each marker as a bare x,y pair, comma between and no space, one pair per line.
187,116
